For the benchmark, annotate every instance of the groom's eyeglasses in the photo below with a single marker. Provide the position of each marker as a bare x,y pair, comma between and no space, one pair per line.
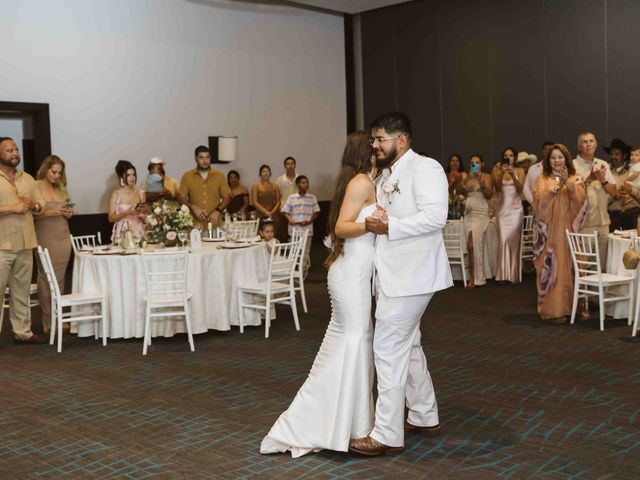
379,140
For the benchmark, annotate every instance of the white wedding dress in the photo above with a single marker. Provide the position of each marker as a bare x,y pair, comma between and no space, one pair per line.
335,403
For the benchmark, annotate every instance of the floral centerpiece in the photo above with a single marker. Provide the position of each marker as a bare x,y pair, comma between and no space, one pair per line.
165,219
456,206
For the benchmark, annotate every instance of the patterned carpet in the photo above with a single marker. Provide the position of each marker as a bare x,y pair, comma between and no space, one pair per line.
519,399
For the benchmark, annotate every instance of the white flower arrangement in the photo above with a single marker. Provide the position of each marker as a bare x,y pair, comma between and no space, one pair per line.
166,217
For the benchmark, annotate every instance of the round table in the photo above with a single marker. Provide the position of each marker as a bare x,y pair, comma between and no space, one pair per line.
213,275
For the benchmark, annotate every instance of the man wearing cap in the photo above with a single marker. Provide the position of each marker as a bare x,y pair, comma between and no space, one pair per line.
623,208
204,190
169,184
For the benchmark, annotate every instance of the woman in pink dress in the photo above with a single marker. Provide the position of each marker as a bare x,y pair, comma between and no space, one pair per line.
508,182
127,205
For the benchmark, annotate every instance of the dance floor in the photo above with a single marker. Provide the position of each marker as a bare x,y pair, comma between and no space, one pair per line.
519,399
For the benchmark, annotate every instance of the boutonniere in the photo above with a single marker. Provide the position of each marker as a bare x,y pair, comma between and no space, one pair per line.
389,188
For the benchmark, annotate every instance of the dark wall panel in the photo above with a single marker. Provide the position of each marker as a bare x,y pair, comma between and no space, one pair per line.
623,70
496,73
517,76
465,78
575,69
418,92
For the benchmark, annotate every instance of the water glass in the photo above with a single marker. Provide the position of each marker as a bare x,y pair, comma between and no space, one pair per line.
182,236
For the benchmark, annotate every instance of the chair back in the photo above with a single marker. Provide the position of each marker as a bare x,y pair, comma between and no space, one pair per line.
80,241
243,229
585,253
301,236
165,273
526,239
283,260
452,235
45,260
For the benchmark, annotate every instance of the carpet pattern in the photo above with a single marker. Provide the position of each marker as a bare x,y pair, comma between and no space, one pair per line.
519,399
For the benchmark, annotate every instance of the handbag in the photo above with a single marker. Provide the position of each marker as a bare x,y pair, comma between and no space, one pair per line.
631,257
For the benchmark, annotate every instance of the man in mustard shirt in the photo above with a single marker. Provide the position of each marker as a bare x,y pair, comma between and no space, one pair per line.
17,239
204,190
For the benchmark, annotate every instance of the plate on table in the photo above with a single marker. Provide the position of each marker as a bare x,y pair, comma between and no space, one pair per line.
207,239
255,239
108,251
624,233
232,245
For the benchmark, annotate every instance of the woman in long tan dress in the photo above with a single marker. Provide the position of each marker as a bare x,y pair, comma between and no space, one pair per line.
559,203
508,181
52,228
265,195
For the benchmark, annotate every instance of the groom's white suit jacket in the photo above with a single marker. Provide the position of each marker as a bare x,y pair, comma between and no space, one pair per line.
411,259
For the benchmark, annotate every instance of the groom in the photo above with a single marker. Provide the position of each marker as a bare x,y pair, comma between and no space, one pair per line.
411,264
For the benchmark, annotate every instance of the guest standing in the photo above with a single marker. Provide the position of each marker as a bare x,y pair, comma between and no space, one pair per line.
238,194
559,202
127,203
623,209
52,228
204,190
301,210
454,171
287,186
17,239
508,181
167,187
265,195
478,187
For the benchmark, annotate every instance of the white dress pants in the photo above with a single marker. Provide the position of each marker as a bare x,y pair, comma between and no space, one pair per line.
401,368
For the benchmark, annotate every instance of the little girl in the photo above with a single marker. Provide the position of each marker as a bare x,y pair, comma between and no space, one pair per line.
267,231
634,168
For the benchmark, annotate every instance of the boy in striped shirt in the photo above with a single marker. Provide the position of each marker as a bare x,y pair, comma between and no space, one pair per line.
301,209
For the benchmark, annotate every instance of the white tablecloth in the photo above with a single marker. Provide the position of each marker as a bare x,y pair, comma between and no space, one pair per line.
490,252
616,247
212,279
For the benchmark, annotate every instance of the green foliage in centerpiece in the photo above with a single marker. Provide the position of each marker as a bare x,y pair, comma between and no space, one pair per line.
166,216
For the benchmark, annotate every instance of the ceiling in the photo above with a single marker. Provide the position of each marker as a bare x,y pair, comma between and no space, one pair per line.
349,6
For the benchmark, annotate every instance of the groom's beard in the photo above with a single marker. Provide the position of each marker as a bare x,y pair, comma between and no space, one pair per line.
387,160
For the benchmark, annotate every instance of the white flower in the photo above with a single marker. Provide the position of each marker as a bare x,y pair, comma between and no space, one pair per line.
157,210
184,209
387,187
153,222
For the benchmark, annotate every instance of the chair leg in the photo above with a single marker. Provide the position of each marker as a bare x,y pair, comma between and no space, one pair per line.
240,311
302,294
60,329
1,317
147,333
187,320
631,304
294,308
601,302
103,320
267,317
53,322
574,307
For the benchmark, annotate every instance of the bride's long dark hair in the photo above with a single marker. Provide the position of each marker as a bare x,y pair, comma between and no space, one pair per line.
355,159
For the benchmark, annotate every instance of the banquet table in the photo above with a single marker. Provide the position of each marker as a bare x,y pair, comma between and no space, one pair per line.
213,275
490,252
616,246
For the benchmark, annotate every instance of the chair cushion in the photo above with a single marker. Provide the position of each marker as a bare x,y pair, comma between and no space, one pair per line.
166,298
276,287
607,278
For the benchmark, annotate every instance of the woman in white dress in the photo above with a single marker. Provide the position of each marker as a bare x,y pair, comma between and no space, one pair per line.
336,402
479,189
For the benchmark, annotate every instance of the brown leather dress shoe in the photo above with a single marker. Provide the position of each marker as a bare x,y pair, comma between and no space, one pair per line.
370,447
432,431
32,340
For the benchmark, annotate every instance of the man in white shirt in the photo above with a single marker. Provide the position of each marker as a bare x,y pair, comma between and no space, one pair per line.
600,186
534,172
287,185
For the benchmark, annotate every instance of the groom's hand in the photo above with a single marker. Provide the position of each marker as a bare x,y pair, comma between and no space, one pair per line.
376,225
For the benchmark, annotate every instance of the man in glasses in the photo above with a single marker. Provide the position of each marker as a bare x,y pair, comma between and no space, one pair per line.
411,265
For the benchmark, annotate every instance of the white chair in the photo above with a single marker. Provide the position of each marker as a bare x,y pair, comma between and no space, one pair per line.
636,314
453,236
71,301
165,275
33,301
80,241
526,241
241,230
278,287
299,273
589,278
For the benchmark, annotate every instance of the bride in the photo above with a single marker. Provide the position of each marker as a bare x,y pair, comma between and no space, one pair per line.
336,402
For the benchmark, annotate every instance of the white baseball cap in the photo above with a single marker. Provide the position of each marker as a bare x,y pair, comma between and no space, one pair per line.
157,161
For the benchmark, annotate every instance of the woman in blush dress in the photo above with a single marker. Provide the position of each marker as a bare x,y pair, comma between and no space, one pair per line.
478,187
52,228
127,205
508,181
335,403
559,203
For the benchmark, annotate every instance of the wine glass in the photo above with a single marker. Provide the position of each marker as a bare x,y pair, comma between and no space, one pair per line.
117,238
182,236
252,215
